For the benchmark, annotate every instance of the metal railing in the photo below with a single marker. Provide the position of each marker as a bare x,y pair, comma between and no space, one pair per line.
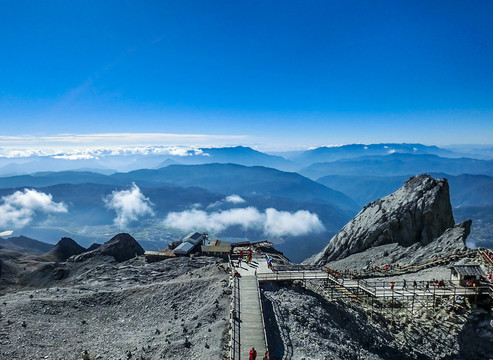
262,314
235,350
383,288
292,275
235,321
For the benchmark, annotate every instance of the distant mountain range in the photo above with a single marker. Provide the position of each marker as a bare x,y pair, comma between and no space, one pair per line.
154,157
108,163
399,164
465,190
334,153
178,188
218,178
332,182
240,155
25,244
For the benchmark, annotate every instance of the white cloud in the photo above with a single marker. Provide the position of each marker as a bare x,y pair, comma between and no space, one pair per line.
88,153
234,199
216,221
18,209
272,222
75,157
129,205
34,200
302,222
6,233
190,219
110,143
247,218
14,217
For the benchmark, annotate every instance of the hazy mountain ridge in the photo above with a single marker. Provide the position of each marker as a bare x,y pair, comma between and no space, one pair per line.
465,189
240,155
181,188
334,153
107,161
399,164
241,180
178,187
25,244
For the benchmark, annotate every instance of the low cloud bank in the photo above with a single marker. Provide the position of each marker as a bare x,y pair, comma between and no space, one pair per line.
129,205
272,222
231,199
235,199
302,222
18,210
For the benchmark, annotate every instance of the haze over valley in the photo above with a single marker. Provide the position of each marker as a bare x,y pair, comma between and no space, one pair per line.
234,193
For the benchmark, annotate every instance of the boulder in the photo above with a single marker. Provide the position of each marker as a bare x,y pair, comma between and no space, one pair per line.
418,212
122,247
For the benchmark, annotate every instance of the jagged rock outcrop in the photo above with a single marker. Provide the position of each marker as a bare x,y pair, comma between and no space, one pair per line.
451,242
122,247
65,248
418,212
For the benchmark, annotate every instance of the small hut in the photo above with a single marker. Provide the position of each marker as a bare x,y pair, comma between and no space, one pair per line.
217,248
466,274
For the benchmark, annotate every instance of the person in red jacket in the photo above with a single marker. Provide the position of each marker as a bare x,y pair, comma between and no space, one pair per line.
253,354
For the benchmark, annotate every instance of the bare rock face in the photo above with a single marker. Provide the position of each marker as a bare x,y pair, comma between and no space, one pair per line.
65,248
122,247
94,246
418,212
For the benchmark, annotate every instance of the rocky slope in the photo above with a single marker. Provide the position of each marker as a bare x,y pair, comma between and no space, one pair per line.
418,212
175,309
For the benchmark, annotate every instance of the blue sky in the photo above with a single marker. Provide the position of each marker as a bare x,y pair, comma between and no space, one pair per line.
270,74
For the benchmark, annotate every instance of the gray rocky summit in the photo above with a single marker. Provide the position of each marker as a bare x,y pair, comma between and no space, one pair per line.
417,213
65,248
121,246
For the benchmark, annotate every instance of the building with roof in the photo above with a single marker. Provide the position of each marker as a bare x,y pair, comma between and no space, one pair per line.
190,243
217,248
466,273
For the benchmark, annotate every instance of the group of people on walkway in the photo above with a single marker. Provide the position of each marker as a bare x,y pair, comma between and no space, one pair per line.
249,257
435,282
253,354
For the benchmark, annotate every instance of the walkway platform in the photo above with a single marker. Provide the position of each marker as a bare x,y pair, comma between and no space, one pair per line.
251,318
251,322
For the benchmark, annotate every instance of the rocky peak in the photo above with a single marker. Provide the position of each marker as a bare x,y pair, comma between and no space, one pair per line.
64,249
121,246
418,212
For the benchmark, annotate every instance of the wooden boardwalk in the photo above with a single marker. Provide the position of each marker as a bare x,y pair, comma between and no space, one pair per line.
252,332
248,328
